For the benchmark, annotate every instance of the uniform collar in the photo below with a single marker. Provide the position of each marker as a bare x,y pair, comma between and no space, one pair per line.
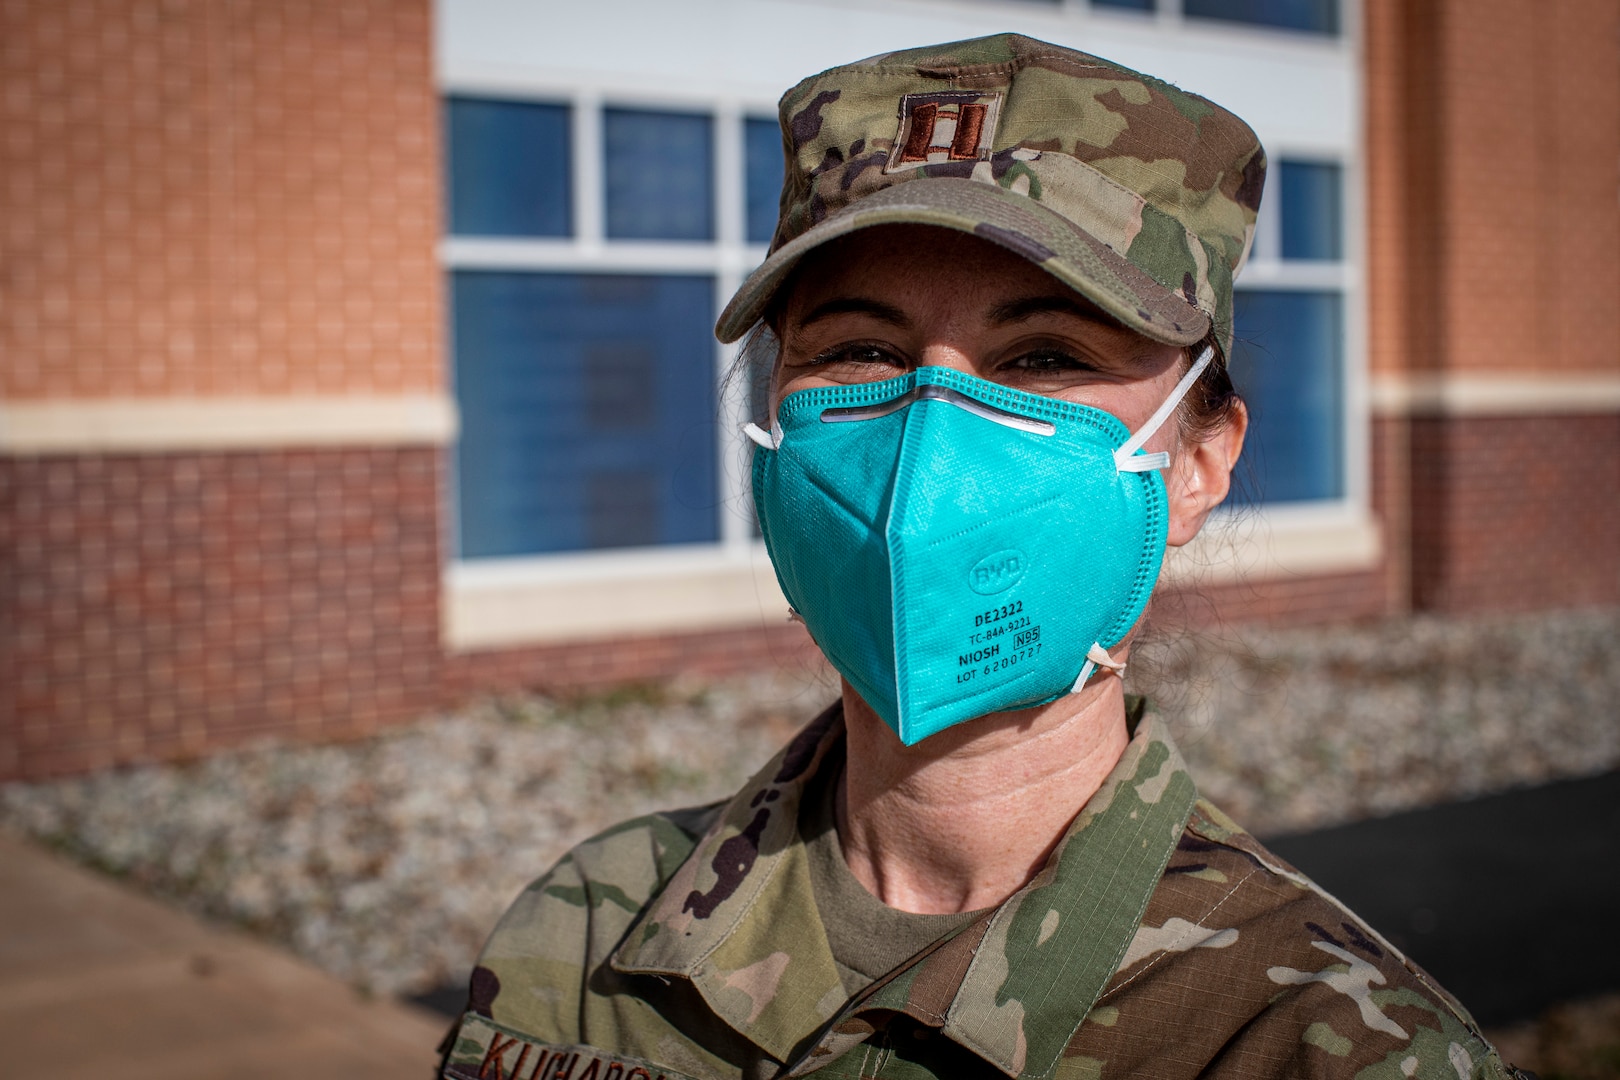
738,918
1011,988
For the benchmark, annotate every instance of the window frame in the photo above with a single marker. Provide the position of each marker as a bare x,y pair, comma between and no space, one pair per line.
1170,14
1268,270
1307,536
478,612
1202,20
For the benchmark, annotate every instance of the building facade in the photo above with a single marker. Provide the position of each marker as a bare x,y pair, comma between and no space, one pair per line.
355,358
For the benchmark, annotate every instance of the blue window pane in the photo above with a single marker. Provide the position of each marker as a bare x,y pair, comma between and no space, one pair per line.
1131,5
762,150
509,166
1287,364
659,174
588,411
1313,16
1312,196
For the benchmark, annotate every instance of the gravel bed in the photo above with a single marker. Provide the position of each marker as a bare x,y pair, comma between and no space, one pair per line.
1578,1040
1289,730
387,861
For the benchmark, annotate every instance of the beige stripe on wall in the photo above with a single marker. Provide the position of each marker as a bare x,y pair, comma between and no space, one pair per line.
1503,394
157,425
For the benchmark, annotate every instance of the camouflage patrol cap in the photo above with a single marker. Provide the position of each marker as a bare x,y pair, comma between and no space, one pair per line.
1136,194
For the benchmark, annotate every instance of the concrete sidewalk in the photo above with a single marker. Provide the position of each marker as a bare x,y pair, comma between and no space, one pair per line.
98,981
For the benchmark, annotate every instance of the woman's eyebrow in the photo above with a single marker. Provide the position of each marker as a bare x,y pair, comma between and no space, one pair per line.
1030,306
856,305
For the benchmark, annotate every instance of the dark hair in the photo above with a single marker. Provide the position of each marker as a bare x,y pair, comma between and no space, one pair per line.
1213,402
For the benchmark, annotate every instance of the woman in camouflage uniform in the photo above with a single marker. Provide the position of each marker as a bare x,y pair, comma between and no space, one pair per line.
996,261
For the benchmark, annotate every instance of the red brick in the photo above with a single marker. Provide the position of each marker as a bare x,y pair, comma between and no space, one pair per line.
208,637
213,201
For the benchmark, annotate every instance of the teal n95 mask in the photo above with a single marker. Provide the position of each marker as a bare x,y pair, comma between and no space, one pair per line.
958,548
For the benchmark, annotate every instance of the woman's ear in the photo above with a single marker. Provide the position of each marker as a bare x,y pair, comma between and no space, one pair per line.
1200,477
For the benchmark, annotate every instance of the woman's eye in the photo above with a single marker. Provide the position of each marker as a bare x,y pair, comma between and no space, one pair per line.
865,355
1050,360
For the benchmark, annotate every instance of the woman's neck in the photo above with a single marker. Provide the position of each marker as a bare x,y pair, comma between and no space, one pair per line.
966,817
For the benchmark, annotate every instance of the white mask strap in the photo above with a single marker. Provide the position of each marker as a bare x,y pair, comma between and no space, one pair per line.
1126,458
770,440
1096,657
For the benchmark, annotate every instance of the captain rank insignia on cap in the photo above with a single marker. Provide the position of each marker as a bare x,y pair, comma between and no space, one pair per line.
951,125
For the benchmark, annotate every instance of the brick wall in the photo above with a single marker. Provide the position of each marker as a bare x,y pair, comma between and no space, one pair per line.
205,197
164,605
593,665
1530,167
1494,249
1518,513
1493,145
1303,600
1402,245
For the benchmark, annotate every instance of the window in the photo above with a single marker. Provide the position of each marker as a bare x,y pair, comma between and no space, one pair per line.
591,408
583,297
660,175
1289,365
584,293
1312,210
508,165
1312,16
762,155
1288,360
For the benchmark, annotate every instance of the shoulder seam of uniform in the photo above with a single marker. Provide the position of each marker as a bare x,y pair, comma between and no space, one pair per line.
1297,877
1227,895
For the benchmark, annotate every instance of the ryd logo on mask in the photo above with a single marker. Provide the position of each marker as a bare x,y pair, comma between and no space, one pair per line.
878,503
997,571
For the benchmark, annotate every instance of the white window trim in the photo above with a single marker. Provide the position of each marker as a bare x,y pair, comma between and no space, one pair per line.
727,258
1306,540
1309,522
599,596
603,596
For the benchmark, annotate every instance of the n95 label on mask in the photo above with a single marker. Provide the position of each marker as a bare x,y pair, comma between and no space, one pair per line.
999,639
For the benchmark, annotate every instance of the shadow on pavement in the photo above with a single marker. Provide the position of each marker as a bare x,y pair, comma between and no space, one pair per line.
447,1000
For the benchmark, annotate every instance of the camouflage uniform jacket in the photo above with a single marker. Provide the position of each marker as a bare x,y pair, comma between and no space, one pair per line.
1160,940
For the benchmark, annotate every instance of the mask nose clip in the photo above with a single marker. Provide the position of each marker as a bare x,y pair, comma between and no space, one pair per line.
1126,458
947,396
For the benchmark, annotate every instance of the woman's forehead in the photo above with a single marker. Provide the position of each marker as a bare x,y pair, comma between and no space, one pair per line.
910,268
